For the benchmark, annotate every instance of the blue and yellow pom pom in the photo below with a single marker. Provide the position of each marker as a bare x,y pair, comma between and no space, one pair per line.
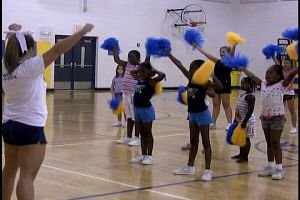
270,50
230,132
158,88
203,73
192,36
234,38
109,43
116,105
182,95
239,136
291,34
292,51
155,47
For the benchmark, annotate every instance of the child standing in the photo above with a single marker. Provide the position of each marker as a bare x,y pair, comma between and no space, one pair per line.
143,110
128,86
116,91
244,115
199,117
273,115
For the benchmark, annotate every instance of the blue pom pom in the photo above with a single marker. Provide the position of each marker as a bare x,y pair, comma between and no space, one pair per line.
114,103
228,61
192,36
270,50
241,61
155,47
109,43
181,89
291,33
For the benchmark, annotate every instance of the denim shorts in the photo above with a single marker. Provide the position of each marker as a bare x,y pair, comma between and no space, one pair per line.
200,118
16,133
275,123
144,115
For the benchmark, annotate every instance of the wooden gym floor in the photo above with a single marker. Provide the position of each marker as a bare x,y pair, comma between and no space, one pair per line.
83,160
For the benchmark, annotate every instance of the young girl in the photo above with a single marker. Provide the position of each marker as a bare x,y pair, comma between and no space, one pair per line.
244,115
199,117
223,74
143,110
25,112
116,91
273,115
289,93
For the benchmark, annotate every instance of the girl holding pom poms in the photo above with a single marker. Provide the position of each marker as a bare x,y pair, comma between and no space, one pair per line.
273,115
244,115
144,113
199,117
223,74
116,90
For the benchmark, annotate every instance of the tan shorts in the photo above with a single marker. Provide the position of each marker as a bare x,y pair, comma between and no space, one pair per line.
128,106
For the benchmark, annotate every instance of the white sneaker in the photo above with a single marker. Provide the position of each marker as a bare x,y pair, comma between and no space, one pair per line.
147,160
267,171
212,126
117,124
278,175
137,159
135,141
124,140
125,125
185,170
207,175
228,126
293,130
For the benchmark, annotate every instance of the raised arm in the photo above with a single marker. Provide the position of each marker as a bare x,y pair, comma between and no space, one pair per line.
254,78
178,64
250,98
275,60
147,59
205,53
65,45
160,76
232,50
290,77
117,58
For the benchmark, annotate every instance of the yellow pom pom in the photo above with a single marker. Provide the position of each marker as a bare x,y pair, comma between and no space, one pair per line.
158,88
203,73
233,38
239,136
184,97
291,51
120,109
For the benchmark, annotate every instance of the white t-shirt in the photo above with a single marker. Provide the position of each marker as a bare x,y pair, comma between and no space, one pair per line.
25,91
272,99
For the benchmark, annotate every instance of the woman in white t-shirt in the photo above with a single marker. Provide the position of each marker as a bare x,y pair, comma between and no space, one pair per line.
273,115
25,111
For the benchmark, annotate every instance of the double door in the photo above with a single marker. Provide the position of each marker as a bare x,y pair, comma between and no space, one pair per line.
75,70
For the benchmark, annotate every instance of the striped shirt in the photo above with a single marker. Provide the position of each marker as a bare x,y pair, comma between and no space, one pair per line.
128,82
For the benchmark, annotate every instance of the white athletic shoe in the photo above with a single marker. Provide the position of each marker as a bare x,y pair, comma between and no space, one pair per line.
267,171
277,175
137,159
185,170
117,124
148,160
212,126
229,124
293,130
124,140
207,175
135,141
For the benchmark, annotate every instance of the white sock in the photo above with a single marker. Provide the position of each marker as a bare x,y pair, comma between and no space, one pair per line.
271,164
278,166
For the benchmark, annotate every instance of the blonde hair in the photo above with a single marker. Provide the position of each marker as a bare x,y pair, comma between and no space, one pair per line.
13,52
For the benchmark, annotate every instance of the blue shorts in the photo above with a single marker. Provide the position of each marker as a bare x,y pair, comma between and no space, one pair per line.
200,118
16,133
144,115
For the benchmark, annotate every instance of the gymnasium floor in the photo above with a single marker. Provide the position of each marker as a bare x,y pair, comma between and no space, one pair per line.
83,160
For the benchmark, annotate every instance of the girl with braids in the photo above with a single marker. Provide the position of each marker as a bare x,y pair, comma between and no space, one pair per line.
244,115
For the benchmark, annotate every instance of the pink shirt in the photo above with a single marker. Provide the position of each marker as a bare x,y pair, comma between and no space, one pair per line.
128,82
285,74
